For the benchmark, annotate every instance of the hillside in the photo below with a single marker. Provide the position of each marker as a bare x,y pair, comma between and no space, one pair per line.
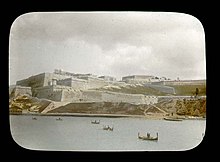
25,103
189,90
100,108
190,107
180,90
166,105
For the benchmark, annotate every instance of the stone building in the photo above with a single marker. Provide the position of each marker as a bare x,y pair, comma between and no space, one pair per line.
66,86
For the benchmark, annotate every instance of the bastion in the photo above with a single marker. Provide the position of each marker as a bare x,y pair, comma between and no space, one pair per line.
72,87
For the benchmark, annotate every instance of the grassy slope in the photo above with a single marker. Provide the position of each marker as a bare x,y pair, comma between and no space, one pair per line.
100,108
136,90
181,90
189,90
194,107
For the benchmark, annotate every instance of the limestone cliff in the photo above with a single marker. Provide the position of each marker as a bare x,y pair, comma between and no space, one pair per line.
27,104
178,106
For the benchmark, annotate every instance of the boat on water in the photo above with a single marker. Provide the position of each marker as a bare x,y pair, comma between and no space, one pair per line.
107,127
59,119
34,118
148,137
173,118
95,122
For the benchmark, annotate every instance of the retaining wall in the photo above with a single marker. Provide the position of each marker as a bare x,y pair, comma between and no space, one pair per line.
104,96
19,90
165,89
64,93
49,92
185,82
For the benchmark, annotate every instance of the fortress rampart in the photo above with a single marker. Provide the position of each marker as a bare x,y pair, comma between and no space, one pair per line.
66,86
61,93
105,96
16,90
185,82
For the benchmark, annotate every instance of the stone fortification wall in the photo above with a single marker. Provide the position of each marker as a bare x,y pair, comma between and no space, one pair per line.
104,96
74,83
65,93
72,95
137,79
40,80
69,74
162,88
33,81
49,92
129,98
94,82
23,82
185,82
49,77
19,90
90,95
65,82
61,72
79,84
58,93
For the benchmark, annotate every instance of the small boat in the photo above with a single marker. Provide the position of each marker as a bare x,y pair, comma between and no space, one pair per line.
59,119
110,128
173,119
107,127
148,137
34,118
95,122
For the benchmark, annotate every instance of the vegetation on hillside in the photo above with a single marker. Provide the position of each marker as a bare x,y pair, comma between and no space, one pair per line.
25,103
100,108
191,107
189,90
180,90
136,90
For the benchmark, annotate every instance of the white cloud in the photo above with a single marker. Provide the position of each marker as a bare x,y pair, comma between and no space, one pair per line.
119,44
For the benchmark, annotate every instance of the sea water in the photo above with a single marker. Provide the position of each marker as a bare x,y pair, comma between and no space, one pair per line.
78,134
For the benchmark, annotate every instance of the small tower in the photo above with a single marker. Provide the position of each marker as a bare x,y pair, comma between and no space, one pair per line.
54,82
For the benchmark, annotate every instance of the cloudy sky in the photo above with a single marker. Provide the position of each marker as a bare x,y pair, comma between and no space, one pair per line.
107,43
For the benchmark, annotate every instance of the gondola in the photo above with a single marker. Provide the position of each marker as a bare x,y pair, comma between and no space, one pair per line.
172,119
95,122
108,128
148,137
59,119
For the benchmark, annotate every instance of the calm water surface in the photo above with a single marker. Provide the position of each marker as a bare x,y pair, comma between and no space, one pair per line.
77,133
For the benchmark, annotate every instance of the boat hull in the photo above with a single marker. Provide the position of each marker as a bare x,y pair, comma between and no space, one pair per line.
172,119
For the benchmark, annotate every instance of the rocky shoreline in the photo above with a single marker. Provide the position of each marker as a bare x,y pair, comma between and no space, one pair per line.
148,117
187,108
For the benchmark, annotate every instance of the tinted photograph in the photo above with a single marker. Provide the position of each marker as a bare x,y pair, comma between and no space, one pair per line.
107,81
